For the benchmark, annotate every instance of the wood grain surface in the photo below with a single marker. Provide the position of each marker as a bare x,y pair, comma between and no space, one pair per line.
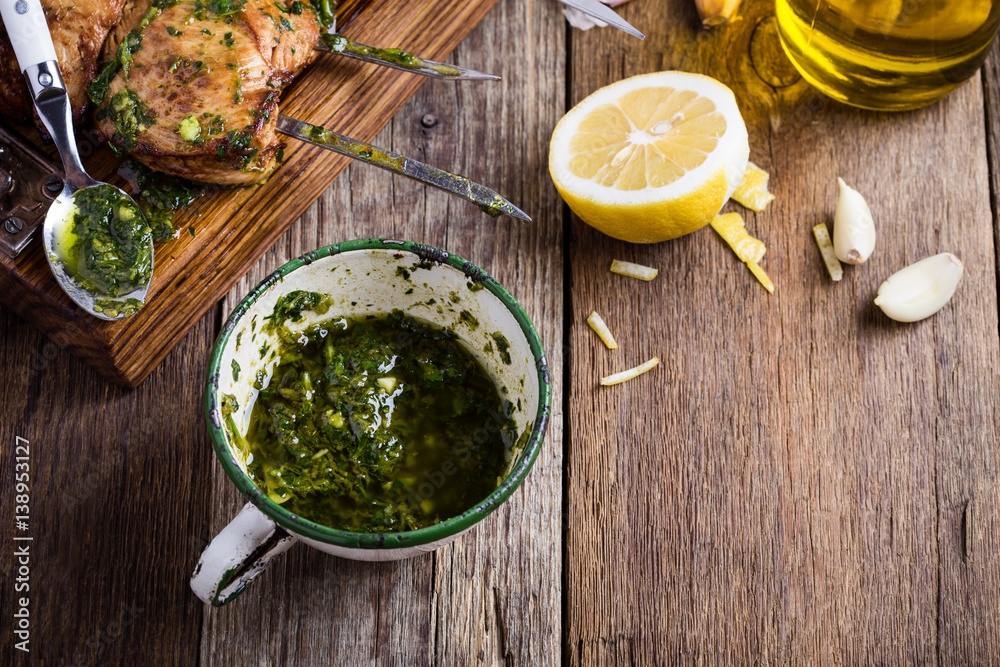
494,595
801,481
128,492
234,227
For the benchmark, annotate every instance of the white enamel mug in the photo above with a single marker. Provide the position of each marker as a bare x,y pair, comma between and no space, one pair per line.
361,278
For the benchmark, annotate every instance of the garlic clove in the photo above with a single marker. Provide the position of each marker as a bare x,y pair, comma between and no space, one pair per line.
716,12
853,226
921,289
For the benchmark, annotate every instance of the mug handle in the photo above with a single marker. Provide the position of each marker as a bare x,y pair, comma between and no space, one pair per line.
240,552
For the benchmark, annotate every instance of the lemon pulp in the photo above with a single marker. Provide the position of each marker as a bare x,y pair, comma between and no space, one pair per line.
650,138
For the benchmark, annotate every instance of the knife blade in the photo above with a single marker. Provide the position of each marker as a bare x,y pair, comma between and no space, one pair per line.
397,59
487,200
604,13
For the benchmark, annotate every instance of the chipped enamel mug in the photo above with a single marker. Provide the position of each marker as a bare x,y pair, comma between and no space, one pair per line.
361,278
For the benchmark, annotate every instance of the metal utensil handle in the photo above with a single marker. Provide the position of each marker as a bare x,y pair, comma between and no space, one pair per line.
29,34
489,201
24,21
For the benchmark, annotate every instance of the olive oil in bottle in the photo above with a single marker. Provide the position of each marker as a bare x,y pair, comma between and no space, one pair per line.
887,54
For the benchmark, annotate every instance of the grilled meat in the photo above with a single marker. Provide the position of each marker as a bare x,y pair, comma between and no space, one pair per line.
192,88
78,30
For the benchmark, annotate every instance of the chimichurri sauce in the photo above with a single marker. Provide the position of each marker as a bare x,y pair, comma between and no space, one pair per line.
107,250
160,195
380,424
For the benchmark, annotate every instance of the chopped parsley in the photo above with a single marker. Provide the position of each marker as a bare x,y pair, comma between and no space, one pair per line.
378,424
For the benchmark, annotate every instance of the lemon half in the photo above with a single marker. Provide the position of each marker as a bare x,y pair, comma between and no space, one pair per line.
652,157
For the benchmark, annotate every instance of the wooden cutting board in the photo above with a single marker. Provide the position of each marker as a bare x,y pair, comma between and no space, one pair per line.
233,228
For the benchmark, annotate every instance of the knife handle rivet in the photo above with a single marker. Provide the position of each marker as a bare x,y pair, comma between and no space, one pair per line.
53,184
13,224
429,120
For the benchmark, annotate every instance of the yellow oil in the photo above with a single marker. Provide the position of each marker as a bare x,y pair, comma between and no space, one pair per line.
887,54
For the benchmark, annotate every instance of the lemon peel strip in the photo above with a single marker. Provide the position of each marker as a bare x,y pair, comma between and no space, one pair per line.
833,265
596,323
618,378
752,191
631,270
748,249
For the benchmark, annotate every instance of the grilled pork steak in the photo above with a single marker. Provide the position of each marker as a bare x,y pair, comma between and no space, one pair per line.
193,86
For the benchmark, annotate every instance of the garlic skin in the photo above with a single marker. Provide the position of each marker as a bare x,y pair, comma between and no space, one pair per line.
853,226
921,289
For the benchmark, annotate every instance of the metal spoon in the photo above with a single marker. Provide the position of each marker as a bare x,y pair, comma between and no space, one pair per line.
25,24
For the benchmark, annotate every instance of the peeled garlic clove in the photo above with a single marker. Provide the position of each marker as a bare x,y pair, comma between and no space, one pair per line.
921,289
853,227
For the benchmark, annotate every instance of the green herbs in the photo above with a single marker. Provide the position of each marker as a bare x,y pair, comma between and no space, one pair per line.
239,141
379,424
212,123
295,8
263,114
228,40
495,208
399,58
160,196
469,319
325,11
226,7
229,404
130,118
236,146
286,24
289,308
503,347
107,247
98,88
116,308
188,68
223,8
173,32
367,152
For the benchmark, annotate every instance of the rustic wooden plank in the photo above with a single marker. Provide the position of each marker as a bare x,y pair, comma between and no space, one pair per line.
790,485
235,227
117,487
498,597
495,594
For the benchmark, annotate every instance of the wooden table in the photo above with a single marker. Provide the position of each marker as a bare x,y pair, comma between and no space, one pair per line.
801,481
